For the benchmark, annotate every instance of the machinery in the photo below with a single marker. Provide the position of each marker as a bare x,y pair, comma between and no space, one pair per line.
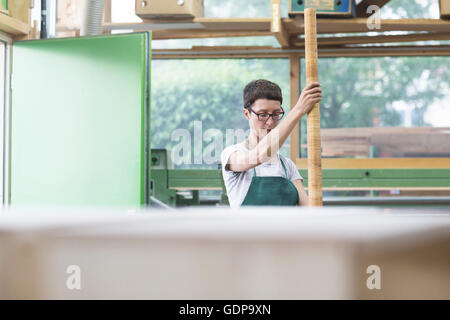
181,187
332,8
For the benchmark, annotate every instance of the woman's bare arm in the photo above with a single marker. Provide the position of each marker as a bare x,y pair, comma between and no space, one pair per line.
302,195
243,160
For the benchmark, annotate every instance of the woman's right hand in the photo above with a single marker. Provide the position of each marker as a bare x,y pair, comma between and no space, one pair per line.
311,95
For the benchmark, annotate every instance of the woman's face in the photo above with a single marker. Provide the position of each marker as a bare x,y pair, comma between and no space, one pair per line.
262,128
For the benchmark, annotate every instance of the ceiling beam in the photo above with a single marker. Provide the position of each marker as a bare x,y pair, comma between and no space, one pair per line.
268,52
201,26
334,26
340,41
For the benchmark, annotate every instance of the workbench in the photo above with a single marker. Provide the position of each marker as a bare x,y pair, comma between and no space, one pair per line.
212,253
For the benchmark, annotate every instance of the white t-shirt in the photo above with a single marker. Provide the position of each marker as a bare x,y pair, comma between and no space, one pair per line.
237,183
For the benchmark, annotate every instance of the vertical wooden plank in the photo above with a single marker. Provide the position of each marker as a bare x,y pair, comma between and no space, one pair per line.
107,14
276,24
294,80
35,34
20,10
313,120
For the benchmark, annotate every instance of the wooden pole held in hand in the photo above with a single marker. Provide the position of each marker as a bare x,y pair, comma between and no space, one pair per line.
313,118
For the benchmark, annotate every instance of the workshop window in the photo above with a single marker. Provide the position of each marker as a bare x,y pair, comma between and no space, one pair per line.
388,107
204,98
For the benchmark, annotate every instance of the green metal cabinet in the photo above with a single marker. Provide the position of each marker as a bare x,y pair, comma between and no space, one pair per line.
80,121
161,163
166,180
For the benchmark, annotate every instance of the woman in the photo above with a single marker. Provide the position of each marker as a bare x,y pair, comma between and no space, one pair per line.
253,171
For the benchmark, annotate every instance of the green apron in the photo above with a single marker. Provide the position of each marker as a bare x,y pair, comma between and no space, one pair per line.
271,191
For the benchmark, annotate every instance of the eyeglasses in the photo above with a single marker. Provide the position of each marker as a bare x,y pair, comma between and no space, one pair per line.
264,116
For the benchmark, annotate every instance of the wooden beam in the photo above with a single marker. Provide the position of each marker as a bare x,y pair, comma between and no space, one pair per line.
172,34
276,25
233,27
13,26
199,34
401,144
390,141
340,41
211,24
313,121
292,26
18,22
294,85
361,8
360,25
261,24
107,13
379,163
230,53
221,48
21,10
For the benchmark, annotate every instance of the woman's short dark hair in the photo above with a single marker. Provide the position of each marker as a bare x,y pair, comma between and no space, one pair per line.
261,89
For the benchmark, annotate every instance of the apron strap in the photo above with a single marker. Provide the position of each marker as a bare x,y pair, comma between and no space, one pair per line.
284,167
282,163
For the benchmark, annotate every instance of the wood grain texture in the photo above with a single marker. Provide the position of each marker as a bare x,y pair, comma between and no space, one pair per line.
294,79
380,163
342,41
313,119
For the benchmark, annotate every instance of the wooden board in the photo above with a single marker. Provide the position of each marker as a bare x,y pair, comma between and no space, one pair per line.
341,41
379,163
277,26
295,26
313,117
389,141
265,52
21,10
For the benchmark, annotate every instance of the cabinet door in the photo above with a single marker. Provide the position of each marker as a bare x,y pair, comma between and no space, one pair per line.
80,121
